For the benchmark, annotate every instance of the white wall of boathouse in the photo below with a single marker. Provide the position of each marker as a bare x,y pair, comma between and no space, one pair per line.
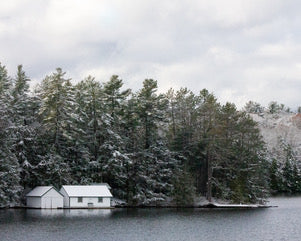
91,202
51,199
86,196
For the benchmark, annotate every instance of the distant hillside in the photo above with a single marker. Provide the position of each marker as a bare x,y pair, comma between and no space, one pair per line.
280,130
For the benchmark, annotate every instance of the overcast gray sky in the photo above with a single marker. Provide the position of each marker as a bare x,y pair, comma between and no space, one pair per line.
238,49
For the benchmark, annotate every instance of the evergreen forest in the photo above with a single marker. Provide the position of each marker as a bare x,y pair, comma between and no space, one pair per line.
152,148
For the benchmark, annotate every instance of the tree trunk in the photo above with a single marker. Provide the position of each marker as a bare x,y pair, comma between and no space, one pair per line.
209,183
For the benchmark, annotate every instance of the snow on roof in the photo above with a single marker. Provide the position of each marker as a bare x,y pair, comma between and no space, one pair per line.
39,191
95,184
100,190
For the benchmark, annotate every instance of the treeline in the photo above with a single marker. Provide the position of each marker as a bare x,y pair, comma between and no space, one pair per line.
285,174
284,154
151,148
273,108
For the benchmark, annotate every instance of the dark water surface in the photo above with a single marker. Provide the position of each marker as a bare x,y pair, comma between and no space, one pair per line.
282,223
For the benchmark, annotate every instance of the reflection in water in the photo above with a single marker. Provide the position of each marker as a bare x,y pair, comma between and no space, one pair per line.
87,212
35,213
277,224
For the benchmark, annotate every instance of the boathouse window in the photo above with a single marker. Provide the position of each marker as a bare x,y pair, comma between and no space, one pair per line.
100,200
80,199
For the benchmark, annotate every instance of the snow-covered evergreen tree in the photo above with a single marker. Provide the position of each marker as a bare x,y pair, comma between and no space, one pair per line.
183,192
9,167
57,107
113,154
152,165
53,170
24,124
58,117
91,119
241,168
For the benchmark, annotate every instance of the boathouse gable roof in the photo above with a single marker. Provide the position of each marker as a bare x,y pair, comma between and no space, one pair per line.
100,190
40,191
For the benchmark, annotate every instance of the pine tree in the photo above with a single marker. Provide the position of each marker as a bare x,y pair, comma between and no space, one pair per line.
152,164
290,172
91,119
56,111
53,108
9,168
21,100
275,181
22,106
10,188
274,107
5,82
56,108
53,170
242,162
114,98
113,154
253,107
150,110
183,191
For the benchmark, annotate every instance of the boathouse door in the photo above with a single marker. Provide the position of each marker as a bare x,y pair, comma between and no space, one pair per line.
48,202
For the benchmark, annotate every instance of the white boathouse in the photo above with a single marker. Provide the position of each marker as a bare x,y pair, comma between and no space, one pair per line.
44,197
86,196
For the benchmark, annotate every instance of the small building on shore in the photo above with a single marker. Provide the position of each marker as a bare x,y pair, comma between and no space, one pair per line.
86,196
44,197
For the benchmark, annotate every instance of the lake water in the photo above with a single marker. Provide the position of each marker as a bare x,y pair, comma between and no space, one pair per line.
282,223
